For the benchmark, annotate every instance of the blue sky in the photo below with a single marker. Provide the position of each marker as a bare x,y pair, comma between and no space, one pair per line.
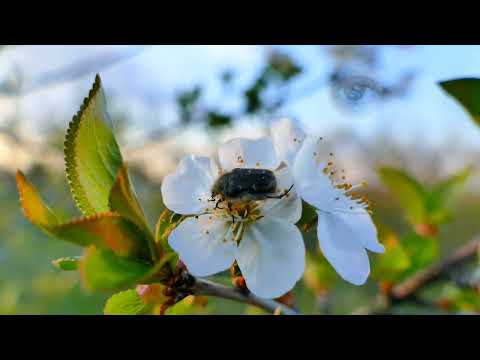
144,86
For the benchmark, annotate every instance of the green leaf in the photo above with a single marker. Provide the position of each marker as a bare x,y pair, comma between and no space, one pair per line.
33,206
107,230
70,263
92,155
283,66
437,199
126,303
467,92
103,270
123,200
217,119
391,265
183,307
187,102
410,193
423,251
166,223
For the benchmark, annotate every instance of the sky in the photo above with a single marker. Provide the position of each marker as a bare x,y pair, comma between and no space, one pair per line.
145,82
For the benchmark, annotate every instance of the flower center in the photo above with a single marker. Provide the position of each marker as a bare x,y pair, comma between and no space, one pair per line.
238,211
239,214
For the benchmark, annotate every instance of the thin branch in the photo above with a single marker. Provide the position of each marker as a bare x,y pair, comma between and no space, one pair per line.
409,287
208,288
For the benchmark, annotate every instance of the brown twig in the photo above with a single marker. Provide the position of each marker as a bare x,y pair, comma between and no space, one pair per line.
408,288
209,288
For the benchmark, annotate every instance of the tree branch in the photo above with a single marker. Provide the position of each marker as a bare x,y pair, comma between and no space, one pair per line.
208,288
408,288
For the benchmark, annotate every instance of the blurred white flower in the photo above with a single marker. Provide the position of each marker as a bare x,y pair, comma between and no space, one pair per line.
258,233
345,229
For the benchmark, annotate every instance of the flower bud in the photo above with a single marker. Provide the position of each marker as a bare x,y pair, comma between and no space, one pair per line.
152,293
427,230
287,299
385,287
239,282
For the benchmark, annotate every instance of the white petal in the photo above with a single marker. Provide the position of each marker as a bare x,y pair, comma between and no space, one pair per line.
187,189
271,256
287,139
289,208
364,228
247,153
311,183
203,244
342,240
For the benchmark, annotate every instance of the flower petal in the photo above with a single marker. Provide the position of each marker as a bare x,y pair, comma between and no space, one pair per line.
187,189
289,208
271,256
342,240
365,228
204,244
311,183
287,139
247,153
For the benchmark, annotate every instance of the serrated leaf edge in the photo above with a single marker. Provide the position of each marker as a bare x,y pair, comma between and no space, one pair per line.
78,194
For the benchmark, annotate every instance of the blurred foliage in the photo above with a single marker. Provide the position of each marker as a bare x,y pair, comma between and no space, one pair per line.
467,92
423,205
279,70
187,103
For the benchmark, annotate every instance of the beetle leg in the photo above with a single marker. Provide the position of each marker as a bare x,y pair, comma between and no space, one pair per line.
282,195
216,205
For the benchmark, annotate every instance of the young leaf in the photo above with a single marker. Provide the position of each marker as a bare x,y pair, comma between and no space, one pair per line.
70,263
410,193
467,92
122,199
126,303
437,200
103,270
92,155
106,230
33,207
165,224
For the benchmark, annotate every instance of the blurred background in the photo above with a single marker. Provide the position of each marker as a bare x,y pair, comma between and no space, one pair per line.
379,107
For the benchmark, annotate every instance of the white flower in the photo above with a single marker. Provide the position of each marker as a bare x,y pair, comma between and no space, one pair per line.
345,229
287,139
259,234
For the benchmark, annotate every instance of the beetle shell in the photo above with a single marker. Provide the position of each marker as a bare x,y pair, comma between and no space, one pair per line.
253,184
